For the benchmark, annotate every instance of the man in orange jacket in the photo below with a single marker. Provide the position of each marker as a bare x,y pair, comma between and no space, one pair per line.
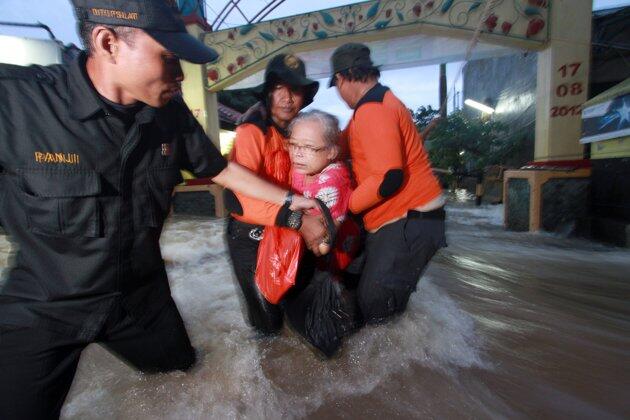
398,196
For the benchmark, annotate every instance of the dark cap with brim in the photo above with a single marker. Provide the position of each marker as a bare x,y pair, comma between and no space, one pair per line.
347,56
186,46
289,69
159,18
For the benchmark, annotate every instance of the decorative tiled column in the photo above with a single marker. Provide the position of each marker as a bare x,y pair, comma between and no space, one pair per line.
563,74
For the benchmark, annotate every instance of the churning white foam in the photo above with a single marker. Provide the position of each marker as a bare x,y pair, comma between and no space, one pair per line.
240,375
487,214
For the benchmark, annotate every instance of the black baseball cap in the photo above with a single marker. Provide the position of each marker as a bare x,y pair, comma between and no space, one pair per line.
159,18
349,55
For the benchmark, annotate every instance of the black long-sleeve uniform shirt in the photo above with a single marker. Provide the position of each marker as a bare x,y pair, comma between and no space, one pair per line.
84,198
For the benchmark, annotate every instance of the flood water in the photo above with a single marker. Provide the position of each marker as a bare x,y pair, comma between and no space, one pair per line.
503,325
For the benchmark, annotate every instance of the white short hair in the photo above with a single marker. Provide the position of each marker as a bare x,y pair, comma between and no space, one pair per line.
329,122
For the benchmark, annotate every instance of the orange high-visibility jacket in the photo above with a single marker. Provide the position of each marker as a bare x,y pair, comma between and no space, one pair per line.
382,137
259,146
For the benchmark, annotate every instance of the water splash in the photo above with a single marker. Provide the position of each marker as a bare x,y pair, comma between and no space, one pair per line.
242,376
503,325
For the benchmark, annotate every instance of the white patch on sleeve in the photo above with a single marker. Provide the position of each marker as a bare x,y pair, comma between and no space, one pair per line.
323,178
329,195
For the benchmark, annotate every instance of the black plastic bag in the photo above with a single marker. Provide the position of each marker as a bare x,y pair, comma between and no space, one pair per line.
324,311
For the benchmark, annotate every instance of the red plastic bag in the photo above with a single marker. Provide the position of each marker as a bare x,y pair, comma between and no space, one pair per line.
279,255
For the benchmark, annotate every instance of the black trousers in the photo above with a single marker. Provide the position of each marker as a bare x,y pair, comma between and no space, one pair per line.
243,247
37,366
395,257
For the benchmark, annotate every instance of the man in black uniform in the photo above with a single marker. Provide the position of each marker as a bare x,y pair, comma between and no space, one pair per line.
89,156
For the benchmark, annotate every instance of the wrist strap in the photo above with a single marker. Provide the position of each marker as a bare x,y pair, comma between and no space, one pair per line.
330,222
282,218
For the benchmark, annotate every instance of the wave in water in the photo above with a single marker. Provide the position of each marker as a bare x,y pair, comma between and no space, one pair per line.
240,375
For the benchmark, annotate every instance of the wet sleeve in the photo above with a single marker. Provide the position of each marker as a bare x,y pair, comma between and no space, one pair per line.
247,151
200,155
378,134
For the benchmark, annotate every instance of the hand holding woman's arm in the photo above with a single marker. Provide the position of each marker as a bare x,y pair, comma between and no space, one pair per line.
239,179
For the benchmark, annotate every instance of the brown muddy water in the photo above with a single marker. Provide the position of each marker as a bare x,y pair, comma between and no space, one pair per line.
503,325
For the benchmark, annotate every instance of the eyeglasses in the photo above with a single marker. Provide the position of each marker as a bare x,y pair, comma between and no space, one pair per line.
305,150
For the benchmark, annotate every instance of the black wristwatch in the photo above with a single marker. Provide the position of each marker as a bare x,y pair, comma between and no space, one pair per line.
294,221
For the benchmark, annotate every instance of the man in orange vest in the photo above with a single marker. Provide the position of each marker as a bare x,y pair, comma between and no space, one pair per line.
398,196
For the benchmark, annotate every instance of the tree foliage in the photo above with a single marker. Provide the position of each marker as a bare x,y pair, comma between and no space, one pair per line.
423,116
463,144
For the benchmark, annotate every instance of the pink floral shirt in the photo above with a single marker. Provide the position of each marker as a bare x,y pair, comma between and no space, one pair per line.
332,185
